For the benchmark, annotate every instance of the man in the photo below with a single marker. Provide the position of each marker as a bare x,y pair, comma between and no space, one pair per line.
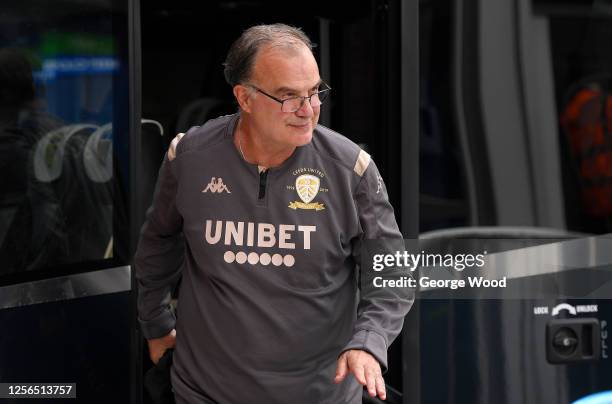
31,234
263,213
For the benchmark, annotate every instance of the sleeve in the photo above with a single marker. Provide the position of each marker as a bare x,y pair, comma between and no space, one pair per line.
160,254
381,311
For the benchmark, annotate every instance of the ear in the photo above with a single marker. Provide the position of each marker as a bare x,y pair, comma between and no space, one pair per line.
243,96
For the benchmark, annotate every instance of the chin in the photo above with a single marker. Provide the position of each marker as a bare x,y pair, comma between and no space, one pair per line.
303,139
301,136
306,140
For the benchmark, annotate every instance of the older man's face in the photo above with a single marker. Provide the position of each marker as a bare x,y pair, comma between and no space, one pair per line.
285,73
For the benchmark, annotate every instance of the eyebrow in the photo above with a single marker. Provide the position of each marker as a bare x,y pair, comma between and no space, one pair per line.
293,90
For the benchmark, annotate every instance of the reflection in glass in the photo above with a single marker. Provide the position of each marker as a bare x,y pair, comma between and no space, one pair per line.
58,188
583,84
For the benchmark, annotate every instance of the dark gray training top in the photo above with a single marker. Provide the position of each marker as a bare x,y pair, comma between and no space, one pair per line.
269,296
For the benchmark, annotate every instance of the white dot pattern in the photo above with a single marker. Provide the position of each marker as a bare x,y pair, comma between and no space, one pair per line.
254,258
265,259
288,260
277,260
241,257
229,257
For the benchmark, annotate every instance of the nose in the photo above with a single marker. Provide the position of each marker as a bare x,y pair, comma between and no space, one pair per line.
305,110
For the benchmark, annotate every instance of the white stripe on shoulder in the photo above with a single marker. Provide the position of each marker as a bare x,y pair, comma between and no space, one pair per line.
362,163
173,144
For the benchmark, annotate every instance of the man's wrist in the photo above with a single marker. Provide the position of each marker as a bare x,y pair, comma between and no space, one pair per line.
159,326
370,342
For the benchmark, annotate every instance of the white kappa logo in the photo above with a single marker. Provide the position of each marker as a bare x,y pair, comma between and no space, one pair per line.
380,183
216,185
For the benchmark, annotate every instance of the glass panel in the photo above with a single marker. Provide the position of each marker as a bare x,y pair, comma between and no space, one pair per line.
583,83
516,106
63,133
442,195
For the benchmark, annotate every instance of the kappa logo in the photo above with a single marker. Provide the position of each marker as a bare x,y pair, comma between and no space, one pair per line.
217,186
380,183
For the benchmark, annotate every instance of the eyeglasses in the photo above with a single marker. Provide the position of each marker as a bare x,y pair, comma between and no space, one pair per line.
293,104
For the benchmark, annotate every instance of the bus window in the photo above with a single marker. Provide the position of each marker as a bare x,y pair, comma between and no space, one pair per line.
516,105
63,135
443,201
583,86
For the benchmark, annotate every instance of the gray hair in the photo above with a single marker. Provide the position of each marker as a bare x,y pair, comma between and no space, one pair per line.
241,56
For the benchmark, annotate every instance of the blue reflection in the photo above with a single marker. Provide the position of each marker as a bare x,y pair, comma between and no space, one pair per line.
76,65
604,397
79,88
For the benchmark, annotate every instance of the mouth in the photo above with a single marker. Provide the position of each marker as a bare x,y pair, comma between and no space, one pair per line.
300,126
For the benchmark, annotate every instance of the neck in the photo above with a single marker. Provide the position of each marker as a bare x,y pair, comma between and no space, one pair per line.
256,150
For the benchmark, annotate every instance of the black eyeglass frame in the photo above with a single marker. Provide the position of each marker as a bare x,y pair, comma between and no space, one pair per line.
309,97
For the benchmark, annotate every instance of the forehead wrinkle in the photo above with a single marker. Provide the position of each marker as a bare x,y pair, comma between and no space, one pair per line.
295,90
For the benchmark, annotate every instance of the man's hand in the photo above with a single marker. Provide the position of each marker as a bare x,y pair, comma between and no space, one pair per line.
157,346
365,368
